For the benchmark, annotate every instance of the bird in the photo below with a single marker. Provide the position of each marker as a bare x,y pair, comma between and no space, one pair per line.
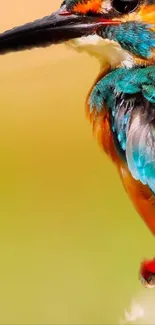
121,102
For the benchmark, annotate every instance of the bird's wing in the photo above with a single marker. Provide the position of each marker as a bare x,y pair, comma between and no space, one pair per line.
134,125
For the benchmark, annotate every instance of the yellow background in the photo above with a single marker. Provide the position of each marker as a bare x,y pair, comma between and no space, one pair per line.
70,241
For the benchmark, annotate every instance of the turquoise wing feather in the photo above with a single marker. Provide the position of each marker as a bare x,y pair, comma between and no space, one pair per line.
140,144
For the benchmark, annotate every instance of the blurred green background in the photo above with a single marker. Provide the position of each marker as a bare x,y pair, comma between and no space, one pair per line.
70,240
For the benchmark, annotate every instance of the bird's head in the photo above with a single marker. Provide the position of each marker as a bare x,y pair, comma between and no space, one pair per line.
129,23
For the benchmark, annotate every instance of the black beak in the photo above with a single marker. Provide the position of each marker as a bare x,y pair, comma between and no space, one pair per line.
56,28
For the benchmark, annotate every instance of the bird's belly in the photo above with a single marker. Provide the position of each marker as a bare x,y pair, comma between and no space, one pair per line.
141,196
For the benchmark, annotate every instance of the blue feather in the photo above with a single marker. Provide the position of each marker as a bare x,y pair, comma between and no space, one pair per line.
136,37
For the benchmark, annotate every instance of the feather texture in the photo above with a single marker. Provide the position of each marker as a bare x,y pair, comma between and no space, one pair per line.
123,122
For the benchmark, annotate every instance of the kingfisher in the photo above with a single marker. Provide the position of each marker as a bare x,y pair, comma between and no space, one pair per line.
121,102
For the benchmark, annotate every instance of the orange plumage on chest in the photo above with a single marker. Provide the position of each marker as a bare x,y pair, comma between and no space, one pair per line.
101,124
102,131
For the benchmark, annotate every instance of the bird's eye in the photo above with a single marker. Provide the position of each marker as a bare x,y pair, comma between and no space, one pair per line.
125,6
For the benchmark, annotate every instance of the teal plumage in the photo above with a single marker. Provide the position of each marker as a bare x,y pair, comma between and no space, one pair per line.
130,97
123,81
135,37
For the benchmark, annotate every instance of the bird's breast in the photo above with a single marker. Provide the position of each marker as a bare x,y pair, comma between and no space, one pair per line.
101,122
102,131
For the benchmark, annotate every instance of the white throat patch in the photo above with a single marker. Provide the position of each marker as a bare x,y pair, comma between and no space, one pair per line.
104,50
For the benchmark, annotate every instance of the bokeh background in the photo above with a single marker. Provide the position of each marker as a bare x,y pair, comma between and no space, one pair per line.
70,240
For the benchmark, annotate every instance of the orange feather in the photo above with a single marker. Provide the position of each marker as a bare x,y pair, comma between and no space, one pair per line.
86,6
146,14
101,123
141,196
